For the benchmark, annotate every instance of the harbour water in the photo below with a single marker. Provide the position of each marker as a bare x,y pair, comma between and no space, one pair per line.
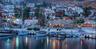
32,42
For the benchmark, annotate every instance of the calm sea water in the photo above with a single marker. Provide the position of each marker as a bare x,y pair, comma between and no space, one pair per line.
30,42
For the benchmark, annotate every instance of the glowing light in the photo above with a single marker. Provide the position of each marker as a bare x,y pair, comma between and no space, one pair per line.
54,44
26,40
8,43
17,41
8,19
47,41
17,19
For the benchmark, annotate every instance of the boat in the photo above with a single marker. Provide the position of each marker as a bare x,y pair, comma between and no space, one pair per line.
52,32
41,33
71,33
4,35
7,33
89,30
21,31
33,30
61,34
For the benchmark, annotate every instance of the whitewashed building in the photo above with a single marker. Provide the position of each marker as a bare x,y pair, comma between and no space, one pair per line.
60,23
8,10
30,22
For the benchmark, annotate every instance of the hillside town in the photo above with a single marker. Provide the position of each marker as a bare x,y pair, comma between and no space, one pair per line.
47,14
42,14
47,24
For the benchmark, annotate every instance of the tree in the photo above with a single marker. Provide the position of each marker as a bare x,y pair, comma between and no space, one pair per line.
26,13
17,12
87,11
79,21
40,16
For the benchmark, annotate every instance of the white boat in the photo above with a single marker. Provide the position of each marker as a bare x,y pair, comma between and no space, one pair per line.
41,33
89,30
21,31
4,35
50,31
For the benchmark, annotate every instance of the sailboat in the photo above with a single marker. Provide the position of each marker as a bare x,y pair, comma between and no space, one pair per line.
7,32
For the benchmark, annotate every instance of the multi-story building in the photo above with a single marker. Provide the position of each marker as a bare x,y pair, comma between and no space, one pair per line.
9,6
61,23
8,10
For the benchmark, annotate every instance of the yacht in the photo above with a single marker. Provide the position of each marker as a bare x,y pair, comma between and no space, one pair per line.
21,31
7,33
41,33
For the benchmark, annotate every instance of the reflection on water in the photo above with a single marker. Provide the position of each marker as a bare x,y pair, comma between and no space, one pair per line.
29,42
